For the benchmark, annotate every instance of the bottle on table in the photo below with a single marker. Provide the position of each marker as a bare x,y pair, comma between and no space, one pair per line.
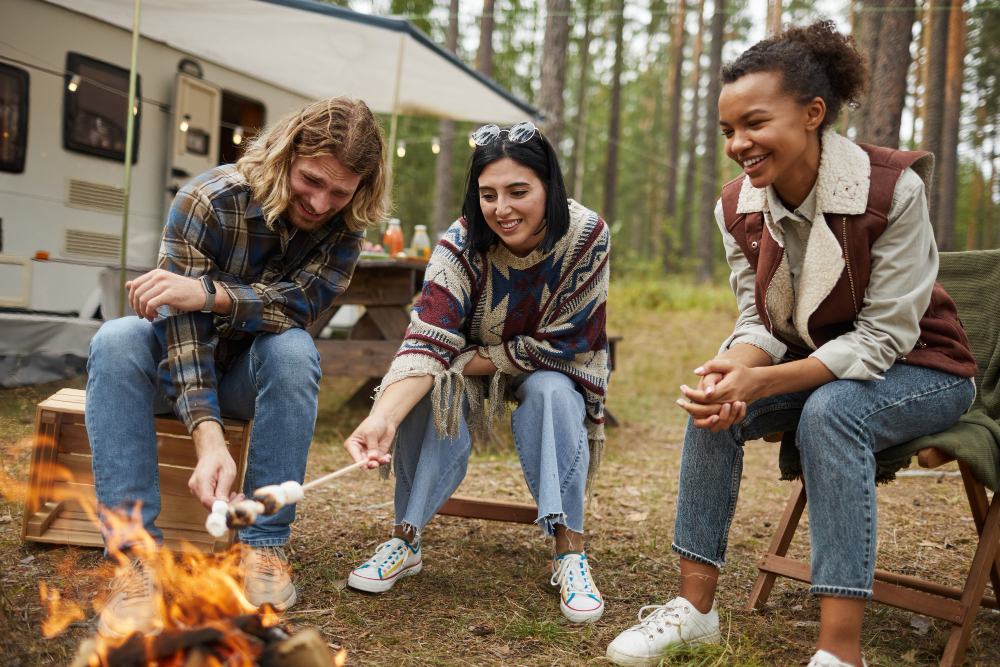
393,240
421,242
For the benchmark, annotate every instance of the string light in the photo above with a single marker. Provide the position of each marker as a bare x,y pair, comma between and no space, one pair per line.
472,142
135,109
185,124
400,148
435,145
238,135
74,83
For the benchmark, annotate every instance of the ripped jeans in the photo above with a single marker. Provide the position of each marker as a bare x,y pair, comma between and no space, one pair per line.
551,441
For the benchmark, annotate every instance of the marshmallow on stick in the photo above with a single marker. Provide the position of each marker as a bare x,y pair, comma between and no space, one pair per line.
267,500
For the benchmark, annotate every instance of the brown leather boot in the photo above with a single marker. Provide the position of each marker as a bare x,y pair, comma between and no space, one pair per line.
266,577
134,604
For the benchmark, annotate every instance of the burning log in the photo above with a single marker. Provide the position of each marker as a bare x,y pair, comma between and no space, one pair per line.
242,640
266,501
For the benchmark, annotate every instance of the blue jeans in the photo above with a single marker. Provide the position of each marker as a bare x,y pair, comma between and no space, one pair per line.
275,383
839,429
551,441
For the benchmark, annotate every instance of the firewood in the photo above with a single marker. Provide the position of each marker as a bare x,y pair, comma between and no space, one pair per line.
304,649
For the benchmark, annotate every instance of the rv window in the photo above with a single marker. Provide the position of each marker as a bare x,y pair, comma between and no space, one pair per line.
242,118
95,107
13,118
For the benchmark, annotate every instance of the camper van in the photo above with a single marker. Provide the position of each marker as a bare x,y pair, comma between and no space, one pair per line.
209,76
64,79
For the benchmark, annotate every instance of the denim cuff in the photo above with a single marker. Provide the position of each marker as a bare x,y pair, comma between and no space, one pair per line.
264,542
842,592
690,555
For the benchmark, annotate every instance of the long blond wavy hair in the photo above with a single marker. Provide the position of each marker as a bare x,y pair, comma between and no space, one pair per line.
342,127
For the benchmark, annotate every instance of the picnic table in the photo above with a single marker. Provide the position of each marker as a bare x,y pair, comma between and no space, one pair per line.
385,287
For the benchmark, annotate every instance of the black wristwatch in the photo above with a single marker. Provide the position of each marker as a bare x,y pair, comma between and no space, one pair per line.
209,286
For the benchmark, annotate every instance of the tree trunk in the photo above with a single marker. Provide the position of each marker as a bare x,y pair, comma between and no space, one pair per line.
579,154
709,164
443,214
887,89
484,57
774,18
550,97
845,115
947,195
614,123
674,131
937,58
687,208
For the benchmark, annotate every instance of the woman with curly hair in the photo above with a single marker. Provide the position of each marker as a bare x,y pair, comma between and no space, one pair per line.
843,337
512,311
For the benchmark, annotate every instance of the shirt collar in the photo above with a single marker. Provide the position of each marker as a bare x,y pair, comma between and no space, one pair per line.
804,211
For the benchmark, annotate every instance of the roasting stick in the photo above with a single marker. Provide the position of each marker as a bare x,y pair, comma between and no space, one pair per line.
266,501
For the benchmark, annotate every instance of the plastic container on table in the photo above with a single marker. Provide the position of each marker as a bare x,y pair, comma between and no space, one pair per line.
421,242
393,239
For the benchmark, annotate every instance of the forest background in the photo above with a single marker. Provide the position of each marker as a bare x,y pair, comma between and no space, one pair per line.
629,91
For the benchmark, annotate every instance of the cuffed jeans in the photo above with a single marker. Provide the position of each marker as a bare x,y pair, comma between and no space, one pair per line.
839,429
551,441
275,383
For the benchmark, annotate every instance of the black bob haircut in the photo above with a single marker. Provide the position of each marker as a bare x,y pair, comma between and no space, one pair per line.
535,154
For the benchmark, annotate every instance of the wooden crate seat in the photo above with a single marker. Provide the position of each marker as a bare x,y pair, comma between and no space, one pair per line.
54,509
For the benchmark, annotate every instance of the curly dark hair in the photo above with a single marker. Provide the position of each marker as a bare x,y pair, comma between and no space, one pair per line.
814,61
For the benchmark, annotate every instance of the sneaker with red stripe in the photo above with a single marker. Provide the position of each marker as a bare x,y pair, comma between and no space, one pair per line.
392,561
579,600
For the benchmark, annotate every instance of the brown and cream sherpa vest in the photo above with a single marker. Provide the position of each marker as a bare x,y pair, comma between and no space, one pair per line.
854,194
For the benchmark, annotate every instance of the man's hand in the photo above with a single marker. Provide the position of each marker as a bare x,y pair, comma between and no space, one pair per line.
371,441
215,473
164,288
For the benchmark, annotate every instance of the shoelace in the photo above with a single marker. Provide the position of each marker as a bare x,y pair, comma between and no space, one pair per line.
577,584
269,561
657,616
135,579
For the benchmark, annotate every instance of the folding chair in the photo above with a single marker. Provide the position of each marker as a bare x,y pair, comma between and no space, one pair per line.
971,278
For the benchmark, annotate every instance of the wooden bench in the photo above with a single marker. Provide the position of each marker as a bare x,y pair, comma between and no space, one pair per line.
59,507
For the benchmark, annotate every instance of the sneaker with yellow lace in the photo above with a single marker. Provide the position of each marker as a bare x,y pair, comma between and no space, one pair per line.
266,578
134,603
392,561
579,599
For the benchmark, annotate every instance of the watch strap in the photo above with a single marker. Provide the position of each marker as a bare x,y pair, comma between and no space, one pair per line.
209,294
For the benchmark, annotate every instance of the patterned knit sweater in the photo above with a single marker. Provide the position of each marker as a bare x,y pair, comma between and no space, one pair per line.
543,311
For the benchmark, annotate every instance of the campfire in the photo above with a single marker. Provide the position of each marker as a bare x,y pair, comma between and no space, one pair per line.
206,620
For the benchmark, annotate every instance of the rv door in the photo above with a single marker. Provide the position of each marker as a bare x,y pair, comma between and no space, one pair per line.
198,109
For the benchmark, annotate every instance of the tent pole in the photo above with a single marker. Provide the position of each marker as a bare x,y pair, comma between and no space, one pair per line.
129,142
395,114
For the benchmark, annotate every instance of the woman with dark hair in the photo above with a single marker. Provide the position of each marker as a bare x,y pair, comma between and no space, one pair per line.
844,339
512,310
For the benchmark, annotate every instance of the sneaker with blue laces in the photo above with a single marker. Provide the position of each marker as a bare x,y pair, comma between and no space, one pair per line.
392,561
579,599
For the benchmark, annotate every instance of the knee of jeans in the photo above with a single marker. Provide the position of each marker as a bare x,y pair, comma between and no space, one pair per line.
551,389
828,422
290,356
119,339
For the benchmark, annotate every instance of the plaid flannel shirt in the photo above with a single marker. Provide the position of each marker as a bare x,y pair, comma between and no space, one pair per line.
277,276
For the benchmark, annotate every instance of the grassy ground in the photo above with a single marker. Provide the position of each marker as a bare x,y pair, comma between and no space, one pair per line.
484,596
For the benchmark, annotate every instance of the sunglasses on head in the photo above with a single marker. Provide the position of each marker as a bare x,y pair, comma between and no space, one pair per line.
519,133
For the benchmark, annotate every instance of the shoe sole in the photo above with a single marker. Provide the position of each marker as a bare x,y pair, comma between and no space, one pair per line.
105,630
628,660
280,606
382,585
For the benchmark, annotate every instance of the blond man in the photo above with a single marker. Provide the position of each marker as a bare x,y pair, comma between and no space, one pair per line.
251,255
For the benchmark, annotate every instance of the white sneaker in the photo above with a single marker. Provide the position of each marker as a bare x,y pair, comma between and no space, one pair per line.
579,599
827,659
662,627
392,561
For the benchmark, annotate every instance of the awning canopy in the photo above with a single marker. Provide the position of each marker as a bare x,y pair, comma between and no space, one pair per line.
320,51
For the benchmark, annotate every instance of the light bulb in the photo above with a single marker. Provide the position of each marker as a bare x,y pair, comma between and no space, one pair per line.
401,148
74,83
238,135
435,145
185,123
472,142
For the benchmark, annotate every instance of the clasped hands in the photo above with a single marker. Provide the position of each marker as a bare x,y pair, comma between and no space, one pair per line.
725,389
